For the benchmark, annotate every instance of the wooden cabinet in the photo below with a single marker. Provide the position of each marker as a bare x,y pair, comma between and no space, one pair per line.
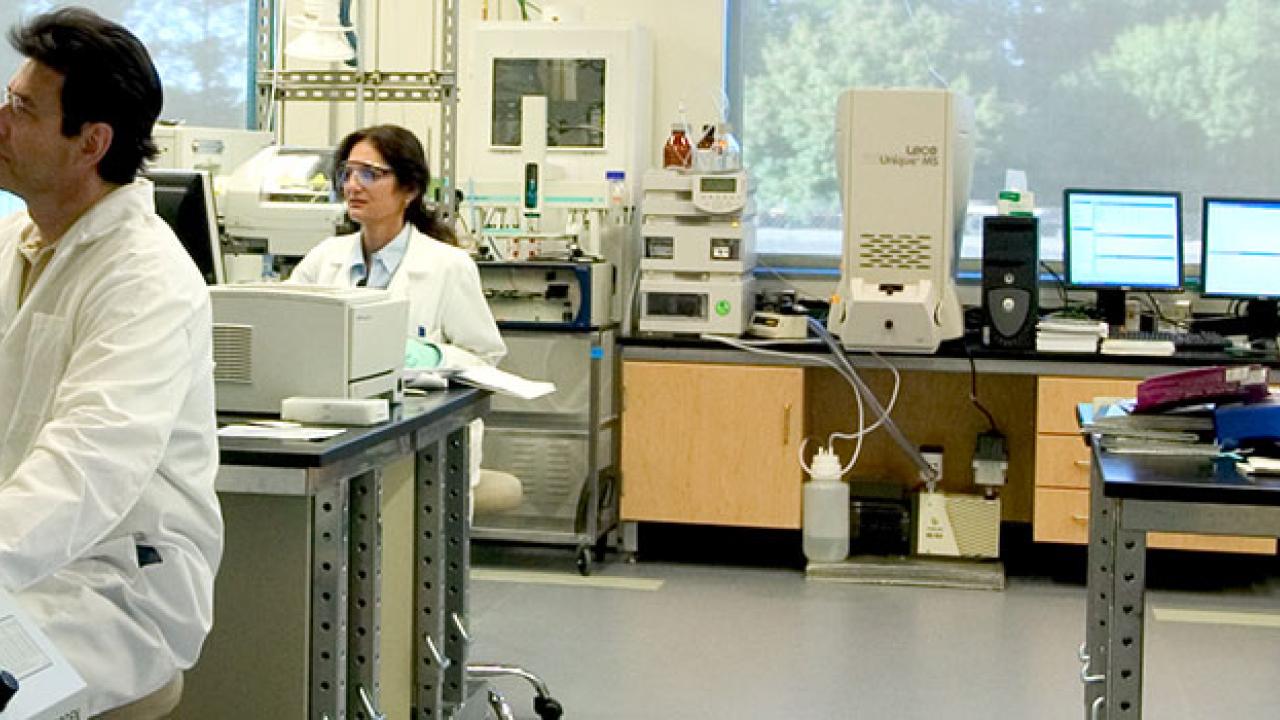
1061,510
712,444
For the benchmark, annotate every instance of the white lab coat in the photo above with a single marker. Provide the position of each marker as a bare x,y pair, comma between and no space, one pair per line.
108,442
442,285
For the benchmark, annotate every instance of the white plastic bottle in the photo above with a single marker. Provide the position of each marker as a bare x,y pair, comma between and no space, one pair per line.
826,511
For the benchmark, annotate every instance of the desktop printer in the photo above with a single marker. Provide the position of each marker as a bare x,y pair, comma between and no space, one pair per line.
273,341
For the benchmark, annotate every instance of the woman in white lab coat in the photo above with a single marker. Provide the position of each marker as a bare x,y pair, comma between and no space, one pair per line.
402,247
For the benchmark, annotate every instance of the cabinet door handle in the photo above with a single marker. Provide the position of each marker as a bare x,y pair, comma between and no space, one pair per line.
1082,463
1080,518
786,424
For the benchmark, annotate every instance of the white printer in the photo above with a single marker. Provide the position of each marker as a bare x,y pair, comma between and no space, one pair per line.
273,341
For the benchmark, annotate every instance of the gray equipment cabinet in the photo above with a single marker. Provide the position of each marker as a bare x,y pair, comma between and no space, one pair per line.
563,447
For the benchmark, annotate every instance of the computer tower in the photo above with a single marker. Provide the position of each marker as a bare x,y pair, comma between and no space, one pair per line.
1010,288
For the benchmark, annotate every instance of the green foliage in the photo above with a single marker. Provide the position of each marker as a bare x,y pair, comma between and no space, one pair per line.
789,114
1205,71
1168,93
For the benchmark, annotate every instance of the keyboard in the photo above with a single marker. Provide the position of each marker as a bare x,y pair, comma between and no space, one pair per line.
1182,341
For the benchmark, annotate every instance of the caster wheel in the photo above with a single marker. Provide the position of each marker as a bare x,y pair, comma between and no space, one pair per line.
584,560
547,708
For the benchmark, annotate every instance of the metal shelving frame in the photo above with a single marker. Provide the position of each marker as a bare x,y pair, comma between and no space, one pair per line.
275,86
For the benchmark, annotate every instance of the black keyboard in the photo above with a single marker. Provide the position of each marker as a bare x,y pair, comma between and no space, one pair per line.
1182,341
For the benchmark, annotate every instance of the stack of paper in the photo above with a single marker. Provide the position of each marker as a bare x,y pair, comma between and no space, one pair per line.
1188,433
491,378
1256,465
1078,335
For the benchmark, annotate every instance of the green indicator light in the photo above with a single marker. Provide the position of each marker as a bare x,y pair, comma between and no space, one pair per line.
722,308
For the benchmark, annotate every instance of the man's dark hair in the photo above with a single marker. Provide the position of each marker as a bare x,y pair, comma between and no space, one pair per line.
108,77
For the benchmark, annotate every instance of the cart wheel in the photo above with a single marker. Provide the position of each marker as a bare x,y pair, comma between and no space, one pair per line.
584,560
547,708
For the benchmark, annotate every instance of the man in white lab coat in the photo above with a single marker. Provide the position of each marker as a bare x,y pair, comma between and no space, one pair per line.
110,532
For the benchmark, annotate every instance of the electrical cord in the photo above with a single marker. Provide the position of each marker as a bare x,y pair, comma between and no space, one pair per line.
754,348
1155,310
1062,284
973,389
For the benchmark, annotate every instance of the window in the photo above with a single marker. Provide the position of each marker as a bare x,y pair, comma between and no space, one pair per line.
1141,94
200,48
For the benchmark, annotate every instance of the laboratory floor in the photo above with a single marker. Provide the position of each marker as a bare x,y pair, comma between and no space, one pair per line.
673,639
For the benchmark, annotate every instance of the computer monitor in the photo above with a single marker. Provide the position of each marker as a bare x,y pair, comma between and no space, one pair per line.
1240,258
184,198
1120,240
10,203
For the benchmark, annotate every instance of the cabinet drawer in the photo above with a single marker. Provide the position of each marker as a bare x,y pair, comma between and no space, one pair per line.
1062,516
1062,461
1057,397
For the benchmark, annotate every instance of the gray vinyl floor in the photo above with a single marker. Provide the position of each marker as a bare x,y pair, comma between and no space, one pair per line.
743,642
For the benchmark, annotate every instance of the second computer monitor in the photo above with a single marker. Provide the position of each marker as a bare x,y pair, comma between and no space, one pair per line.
1121,240
1240,258
184,198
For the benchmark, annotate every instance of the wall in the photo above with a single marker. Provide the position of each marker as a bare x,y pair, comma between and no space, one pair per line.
688,37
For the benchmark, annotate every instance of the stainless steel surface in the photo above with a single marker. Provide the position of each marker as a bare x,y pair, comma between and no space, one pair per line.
457,561
1202,518
368,707
490,671
1115,628
564,452
329,577
1101,561
262,480
364,660
1129,580
429,664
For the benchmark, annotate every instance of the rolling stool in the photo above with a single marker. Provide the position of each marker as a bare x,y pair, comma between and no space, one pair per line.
497,491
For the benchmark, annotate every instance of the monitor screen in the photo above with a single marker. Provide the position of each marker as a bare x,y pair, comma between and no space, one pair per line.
10,203
1240,255
1123,239
184,198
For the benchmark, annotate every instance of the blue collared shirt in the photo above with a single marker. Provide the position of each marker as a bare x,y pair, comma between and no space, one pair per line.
385,261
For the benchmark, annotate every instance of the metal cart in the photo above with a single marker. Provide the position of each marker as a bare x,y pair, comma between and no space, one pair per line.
563,447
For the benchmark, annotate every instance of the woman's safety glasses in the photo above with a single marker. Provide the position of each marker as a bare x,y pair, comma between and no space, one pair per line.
365,173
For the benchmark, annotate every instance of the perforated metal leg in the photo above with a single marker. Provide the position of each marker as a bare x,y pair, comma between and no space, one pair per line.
365,598
429,581
1094,654
1124,678
457,500
329,573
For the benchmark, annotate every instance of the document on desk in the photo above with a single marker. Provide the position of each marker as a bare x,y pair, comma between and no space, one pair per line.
274,432
1185,434
491,378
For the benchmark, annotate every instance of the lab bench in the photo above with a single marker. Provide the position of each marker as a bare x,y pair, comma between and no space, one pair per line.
711,434
1133,497
342,590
